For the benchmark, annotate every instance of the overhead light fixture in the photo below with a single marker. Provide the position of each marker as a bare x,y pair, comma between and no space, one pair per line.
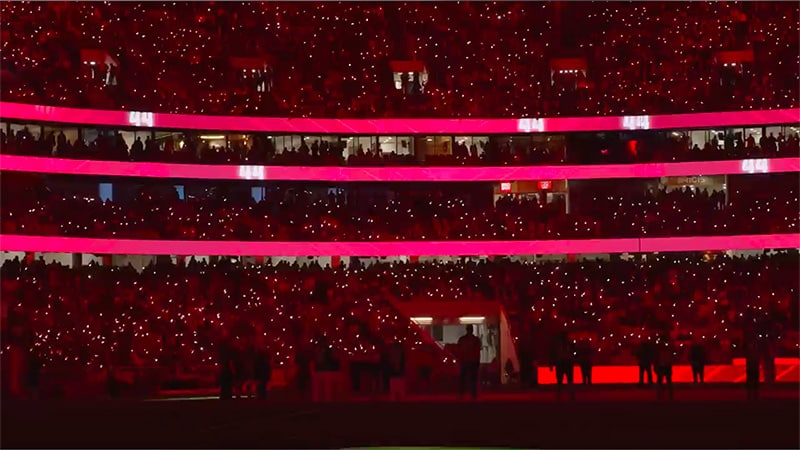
472,319
422,320
212,136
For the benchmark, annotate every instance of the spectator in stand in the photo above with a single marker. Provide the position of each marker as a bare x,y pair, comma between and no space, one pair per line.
469,355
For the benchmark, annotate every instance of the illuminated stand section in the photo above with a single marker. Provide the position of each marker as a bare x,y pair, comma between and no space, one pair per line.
376,128
505,177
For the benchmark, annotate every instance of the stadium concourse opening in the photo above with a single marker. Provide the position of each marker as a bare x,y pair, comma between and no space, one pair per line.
400,224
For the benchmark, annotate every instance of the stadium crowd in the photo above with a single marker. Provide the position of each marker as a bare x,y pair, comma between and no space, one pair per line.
487,59
174,315
262,150
287,214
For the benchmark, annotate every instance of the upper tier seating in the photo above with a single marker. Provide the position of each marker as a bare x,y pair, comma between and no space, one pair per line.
333,60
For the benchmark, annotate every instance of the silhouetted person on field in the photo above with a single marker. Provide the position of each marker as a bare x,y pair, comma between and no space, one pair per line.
112,383
397,380
226,369
752,363
263,370
303,359
563,359
33,375
469,354
663,366
697,359
585,355
324,384
386,368
242,369
644,356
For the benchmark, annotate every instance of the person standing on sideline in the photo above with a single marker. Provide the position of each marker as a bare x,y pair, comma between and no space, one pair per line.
386,368
33,374
663,366
327,370
226,371
752,363
644,356
469,354
262,368
303,361
563,359
697,359
585,354
397,380
320,381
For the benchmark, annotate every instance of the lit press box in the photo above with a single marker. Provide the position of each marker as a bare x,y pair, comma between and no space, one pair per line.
755,166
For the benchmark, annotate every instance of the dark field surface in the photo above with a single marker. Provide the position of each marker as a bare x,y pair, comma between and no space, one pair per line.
604,418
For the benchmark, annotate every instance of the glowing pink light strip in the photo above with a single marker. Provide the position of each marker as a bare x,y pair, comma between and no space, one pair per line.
744,242
56,244
128,119
398,174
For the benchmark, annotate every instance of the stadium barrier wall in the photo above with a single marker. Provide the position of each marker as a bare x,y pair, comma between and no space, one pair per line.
787,370
58,244
394,174
144,119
